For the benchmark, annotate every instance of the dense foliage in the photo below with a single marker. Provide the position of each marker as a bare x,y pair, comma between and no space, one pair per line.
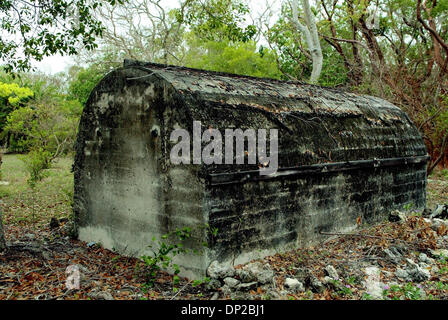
394,49
34,29
44,116
11,96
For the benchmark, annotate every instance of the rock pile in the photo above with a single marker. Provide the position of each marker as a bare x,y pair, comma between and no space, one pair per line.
394,265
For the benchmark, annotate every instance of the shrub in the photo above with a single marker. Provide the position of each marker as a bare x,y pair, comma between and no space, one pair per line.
36,161
162,257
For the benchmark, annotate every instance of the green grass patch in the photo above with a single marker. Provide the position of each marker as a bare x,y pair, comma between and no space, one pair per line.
52,196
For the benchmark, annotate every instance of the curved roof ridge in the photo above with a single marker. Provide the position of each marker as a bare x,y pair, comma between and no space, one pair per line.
131,62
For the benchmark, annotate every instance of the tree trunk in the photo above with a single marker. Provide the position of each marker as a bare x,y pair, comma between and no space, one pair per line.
309,31
2,235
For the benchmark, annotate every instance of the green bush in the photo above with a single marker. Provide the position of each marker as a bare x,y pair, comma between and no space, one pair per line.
162,257
51,126
36,161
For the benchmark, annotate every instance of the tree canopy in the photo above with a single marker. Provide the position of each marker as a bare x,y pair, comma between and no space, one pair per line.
34,29
393,49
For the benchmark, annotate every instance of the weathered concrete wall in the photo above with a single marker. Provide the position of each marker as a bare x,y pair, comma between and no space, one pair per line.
288,213
127,191
124,193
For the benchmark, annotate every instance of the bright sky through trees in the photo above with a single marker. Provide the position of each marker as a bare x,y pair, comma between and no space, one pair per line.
58,63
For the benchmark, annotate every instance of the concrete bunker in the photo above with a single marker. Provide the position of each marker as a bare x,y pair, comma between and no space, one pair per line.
340,156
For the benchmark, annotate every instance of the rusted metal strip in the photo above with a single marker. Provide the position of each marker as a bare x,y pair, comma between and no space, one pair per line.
216,179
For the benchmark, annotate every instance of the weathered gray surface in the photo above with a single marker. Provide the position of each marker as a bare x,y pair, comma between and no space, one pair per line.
127,191
2,235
